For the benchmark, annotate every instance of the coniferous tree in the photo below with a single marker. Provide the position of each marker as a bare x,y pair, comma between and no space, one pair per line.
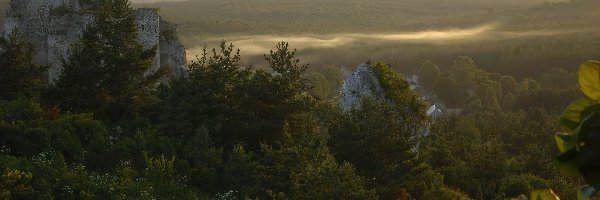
276,96
234,104
19,76
302,166
208,98
380,137
381,146
107,71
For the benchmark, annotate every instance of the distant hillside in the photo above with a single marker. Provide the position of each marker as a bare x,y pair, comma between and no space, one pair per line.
582,14
205,18
545,35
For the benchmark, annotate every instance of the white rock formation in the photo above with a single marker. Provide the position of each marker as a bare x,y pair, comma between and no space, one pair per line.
172,51
51,26
360,83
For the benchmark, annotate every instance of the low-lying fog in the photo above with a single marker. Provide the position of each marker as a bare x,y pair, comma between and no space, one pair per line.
352,48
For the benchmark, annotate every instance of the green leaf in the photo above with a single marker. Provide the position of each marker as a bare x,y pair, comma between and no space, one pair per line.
584,129
547,194
591,175
571,154
574,113
567,168
565,142
589,79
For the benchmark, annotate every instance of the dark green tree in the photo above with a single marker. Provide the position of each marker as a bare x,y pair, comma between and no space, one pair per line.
239,161
557,78
276,96
234,104
319,85
20,75
428,74
163,180
381,136
15,184
108,72
302,167
335,77
489,95
464,72
448,91
508,85
475,151
378,141
20,122
209,98
289,70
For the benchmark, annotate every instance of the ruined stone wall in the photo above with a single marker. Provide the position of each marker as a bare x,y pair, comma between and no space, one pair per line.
52,26
30,17
66,23
148,27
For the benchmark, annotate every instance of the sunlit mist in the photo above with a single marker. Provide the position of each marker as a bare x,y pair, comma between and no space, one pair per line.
260,44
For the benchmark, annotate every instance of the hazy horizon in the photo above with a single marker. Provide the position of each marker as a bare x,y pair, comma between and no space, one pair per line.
259,44
403,33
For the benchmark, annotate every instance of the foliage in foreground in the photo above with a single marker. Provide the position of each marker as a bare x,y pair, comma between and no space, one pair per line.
580,141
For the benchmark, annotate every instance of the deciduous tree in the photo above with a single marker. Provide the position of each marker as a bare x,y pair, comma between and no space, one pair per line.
428,74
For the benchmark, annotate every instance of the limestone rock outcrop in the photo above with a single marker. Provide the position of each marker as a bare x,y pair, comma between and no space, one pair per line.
52,26
362,82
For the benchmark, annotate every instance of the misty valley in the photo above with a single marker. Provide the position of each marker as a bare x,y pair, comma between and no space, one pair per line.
409,49
300,99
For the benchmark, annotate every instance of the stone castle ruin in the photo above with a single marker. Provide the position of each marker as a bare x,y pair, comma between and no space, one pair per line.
52,26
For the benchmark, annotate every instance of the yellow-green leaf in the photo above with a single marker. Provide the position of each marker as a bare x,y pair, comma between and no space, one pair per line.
547,194
565,142
589,79
572,116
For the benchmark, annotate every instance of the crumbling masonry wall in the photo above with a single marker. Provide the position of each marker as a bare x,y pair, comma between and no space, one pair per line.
148,27
52,26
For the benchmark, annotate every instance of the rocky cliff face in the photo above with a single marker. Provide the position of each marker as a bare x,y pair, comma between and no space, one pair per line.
362,82
172,51
52,26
